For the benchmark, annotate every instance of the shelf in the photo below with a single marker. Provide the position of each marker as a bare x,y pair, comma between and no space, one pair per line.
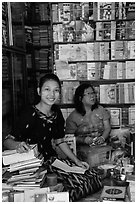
91,41
103,81
37,23
13,49
104,105
97,21
88,61
43,70
38,47
95,48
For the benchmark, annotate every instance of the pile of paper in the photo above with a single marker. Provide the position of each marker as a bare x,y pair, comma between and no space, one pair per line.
24,168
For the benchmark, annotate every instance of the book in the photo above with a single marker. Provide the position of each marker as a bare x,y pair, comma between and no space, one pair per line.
68,90
106,51
130,69
93,71
125,116
104,10
97,50
107,196
34,169
121,93
78,52
25,162
102,50
121,31
103,30
62,70
90,51
27,165
112,70
112,50
69,32
130,12
113,30
130,29
131,113
64,52
115,116
108,93
106,73
131,49
102,66
88,31
82,71
129,89
14,157
119,50
121,70
65,167
32,179
72,71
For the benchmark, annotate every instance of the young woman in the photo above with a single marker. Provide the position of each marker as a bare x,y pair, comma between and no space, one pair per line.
40,124
89,121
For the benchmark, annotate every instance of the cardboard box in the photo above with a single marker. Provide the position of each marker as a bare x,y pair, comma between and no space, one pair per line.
94,155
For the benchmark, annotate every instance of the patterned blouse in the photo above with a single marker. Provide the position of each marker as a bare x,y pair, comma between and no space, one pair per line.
91,124
35,127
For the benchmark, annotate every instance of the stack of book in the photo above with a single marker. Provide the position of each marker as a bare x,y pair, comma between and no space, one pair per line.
25,169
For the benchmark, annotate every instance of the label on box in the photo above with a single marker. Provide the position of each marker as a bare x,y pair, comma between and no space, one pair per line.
58,197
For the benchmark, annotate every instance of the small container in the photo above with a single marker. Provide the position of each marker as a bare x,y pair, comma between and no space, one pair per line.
129,169
51,179
5,196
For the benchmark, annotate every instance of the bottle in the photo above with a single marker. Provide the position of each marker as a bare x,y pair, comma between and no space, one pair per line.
123,174
111,177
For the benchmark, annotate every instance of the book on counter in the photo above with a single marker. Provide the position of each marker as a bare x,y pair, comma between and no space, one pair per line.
32,179
24,170
67,168
12,156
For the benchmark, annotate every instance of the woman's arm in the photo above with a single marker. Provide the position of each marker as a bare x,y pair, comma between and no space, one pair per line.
107,129
65,148
104,136
10,143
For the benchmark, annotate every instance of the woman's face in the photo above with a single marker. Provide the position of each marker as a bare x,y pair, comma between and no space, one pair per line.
50,92
89,97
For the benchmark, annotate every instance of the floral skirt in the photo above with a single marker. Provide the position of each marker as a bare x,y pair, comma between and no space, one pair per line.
78,185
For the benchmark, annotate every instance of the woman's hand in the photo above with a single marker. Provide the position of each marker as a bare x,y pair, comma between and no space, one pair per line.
82,164
22,147
88,140
100,140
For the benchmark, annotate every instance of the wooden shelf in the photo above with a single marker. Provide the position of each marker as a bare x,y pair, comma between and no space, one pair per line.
104,105
91,41
103,81
88,61
13,49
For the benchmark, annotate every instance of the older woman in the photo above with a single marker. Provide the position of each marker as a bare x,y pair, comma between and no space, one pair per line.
90,122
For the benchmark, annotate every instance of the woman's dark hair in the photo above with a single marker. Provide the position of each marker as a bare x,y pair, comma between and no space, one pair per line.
79,93
47,77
